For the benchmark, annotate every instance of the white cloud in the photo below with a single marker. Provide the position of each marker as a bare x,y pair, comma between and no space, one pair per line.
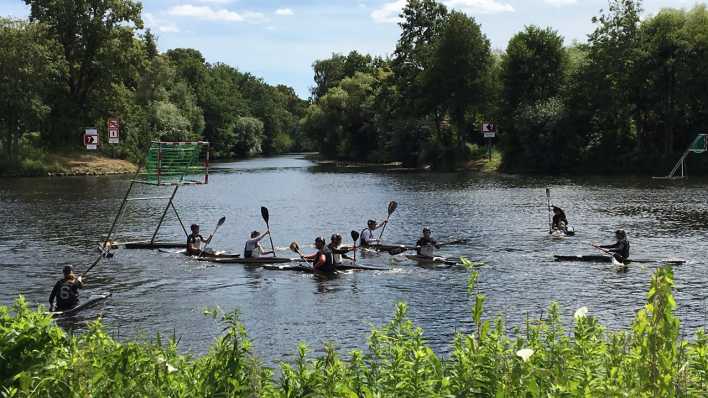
215,1
159,24
559,3
284,11
211,14
389,12
480,6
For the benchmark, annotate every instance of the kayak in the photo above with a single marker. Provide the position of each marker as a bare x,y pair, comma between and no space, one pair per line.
252,260
148,245
598,258
347,266
431,260
92,300
214,255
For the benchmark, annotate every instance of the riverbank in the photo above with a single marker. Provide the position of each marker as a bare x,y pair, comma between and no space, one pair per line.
67,164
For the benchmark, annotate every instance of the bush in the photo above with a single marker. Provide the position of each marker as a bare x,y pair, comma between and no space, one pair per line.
650,360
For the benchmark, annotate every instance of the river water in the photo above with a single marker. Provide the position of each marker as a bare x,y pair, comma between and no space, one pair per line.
51,222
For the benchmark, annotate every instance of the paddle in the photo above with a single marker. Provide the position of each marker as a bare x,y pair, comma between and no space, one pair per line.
355,236
392,205
294,246
548,200
266,217
221,222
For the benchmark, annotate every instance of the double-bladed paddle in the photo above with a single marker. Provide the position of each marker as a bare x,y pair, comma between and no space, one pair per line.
392,206
266,218
294,246
221,222
355,236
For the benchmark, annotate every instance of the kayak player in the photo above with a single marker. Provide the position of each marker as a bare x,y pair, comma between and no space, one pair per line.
66,291
426,245
194,241
619,250
560,222
253,248
321,260
367,235
335,248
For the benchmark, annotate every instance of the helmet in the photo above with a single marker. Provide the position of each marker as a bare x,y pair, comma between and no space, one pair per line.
68,269
194,226
319,239
371,222
620,233
426,229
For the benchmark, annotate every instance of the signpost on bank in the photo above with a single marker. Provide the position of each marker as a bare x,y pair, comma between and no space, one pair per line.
91,138
113,131
490,132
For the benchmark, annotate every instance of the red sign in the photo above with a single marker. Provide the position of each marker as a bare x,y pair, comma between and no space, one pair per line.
113,131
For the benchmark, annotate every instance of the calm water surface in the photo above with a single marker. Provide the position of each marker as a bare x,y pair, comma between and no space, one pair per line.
49,223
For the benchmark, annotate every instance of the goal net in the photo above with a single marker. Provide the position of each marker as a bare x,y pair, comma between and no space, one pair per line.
176,163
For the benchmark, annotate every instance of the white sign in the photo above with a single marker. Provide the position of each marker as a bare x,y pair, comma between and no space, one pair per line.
113,131
489,127
91,138
489,130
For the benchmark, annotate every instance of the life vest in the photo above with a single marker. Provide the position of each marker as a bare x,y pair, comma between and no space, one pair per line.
324,262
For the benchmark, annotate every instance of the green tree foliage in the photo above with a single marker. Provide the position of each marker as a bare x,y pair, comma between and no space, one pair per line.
329,72
30,66
541,359
75,64
96,38
532,74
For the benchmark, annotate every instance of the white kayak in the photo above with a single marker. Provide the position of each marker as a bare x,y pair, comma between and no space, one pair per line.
90,302
431,260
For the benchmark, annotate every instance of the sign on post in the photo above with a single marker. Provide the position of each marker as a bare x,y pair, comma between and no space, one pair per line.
489,130
91,138
113,131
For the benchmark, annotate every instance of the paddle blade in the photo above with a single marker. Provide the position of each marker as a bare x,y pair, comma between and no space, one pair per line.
221,222
392,206
264,213
355,236
295,247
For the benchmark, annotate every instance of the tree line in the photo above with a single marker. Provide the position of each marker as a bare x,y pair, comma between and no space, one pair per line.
627,99
74,64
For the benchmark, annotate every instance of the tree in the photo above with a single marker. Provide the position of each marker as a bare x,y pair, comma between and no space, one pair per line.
533,72
96,37
30,63
458,79
329,72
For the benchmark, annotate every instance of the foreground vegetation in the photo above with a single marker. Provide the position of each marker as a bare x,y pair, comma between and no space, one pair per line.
650,360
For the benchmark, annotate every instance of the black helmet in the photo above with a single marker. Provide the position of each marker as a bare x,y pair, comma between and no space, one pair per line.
371,222
68,269
426,229
336,237
193,227
319,239
620,233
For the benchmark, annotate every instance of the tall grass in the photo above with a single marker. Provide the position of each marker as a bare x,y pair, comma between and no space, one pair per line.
545,360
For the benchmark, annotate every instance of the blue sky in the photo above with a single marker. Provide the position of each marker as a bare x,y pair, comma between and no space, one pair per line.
279,39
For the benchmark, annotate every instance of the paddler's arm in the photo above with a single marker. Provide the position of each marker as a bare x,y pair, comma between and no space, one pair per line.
381,225
55,290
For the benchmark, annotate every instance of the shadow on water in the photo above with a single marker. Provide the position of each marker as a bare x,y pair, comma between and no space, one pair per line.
52,222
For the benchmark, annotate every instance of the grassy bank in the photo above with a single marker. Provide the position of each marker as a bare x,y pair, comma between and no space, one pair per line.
544,359
65,164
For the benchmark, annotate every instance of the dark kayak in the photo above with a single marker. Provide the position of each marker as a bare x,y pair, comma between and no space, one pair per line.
438,261
347,266
93,300
599,258
253,260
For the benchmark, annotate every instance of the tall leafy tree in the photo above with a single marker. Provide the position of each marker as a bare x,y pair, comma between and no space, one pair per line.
30,65
457,81
96,37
